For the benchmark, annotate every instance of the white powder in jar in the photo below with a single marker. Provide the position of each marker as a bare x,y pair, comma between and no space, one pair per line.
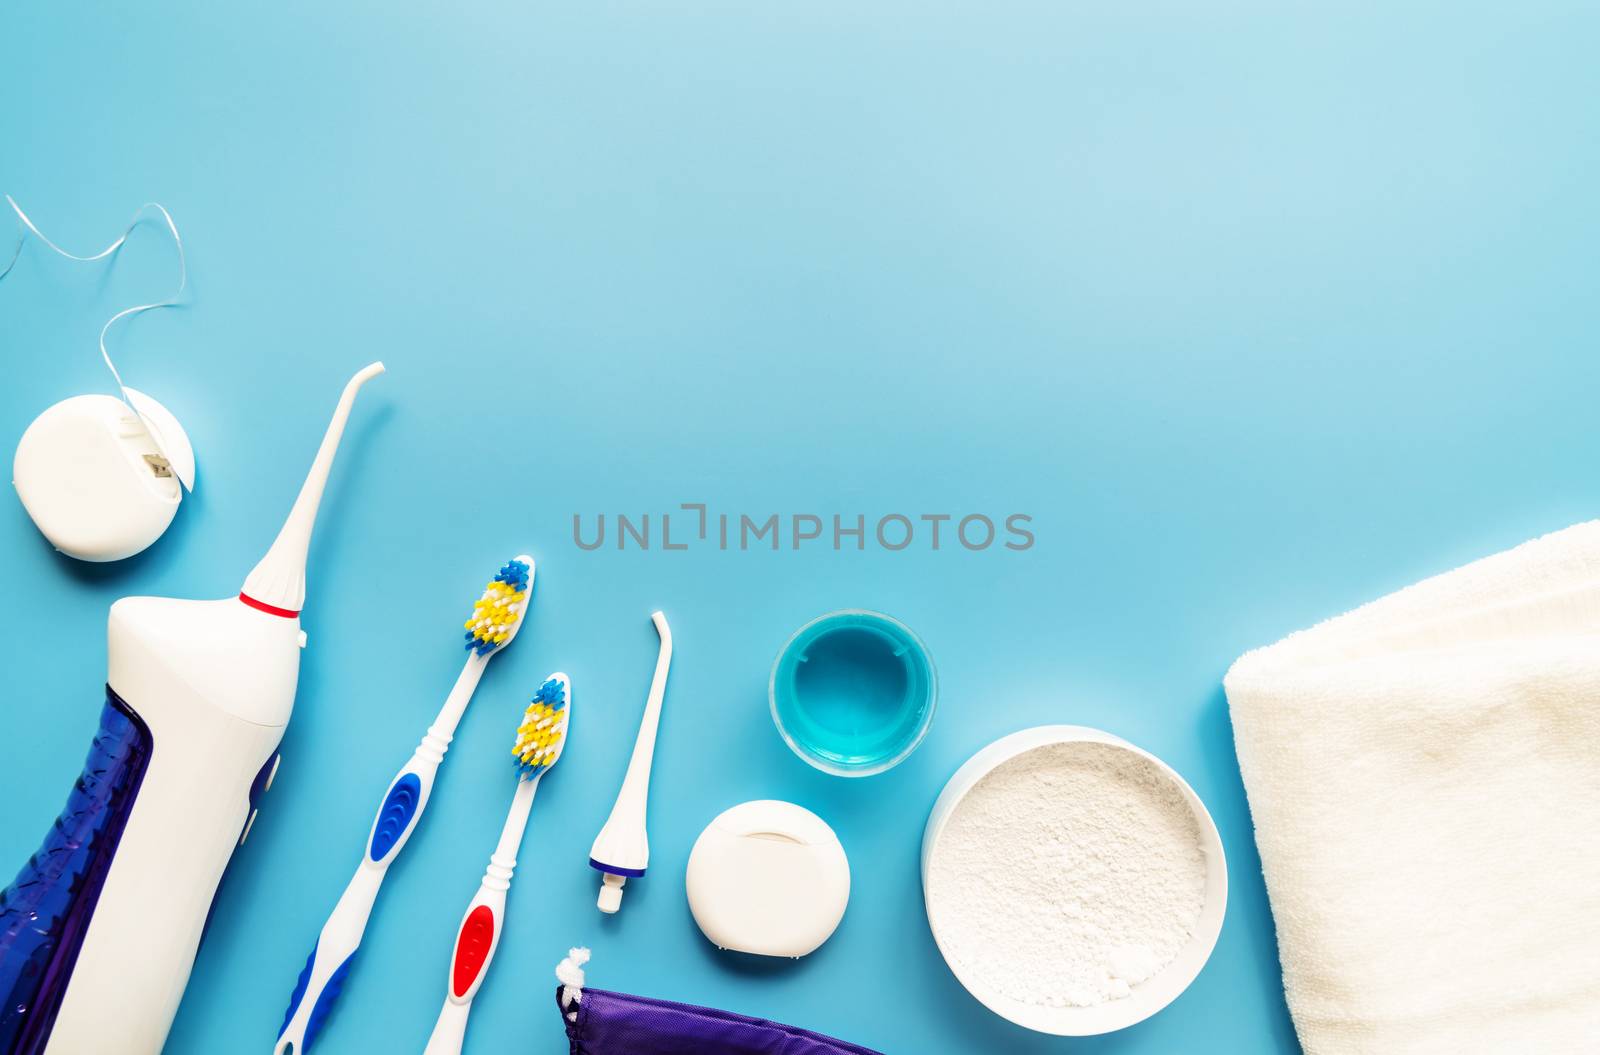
1068,875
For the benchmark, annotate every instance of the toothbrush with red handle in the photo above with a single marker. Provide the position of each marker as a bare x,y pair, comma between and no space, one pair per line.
540,738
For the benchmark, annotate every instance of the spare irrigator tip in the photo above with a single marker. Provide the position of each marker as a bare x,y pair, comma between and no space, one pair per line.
622,849
278,583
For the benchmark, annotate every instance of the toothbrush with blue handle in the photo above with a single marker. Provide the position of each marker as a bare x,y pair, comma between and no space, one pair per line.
540,738
495,620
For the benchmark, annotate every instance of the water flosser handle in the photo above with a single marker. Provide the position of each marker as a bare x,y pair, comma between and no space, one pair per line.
144,915
44,913
323,978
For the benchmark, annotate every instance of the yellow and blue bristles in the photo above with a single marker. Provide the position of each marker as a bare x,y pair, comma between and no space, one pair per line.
543,730
494,616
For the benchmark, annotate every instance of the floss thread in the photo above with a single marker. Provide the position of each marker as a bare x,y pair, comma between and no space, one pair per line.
138,217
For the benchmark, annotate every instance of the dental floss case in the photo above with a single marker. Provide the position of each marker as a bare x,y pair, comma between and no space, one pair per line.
768,878
102,478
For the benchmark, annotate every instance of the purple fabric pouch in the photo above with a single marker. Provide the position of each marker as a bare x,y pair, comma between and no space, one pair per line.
604,1023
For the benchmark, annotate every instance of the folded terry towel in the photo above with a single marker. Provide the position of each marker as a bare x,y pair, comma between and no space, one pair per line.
1424,777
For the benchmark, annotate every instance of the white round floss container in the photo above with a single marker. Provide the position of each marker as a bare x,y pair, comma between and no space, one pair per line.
102,478
1145,998
768,878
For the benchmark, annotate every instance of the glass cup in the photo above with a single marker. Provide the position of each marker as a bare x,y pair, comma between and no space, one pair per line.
853,692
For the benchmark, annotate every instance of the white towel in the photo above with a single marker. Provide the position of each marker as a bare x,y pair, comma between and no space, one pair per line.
1424,778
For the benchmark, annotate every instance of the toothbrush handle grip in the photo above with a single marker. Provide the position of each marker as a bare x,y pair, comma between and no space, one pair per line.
322,979
476,940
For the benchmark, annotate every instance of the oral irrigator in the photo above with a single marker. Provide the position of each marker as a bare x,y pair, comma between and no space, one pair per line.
100,929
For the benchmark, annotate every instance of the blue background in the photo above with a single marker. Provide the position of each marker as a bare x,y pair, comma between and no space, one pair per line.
1260,311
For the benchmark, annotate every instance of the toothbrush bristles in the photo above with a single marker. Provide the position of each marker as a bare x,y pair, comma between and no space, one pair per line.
543,731
495,614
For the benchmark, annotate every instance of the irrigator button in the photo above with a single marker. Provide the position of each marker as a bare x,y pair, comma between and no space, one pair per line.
264,777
